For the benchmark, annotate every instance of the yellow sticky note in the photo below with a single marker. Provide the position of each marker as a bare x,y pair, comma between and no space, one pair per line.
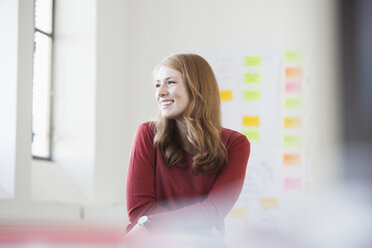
252,95
292,122
253,61
252,78
252,135
251,121
291,159
226,95
269,202
292,103
293,72
292,140
293,56
238,213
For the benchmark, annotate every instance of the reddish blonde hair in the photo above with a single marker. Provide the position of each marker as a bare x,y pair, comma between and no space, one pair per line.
202,118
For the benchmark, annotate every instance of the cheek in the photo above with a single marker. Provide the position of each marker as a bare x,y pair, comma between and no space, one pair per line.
186,99
184,95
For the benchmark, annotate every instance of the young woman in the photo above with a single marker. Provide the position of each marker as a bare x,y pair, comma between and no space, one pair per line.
185,171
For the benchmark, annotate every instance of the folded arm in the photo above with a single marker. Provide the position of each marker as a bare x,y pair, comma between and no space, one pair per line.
221,198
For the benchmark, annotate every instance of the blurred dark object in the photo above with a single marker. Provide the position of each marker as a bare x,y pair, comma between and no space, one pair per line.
356,95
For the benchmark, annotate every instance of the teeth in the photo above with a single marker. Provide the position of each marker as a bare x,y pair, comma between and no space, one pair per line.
165,103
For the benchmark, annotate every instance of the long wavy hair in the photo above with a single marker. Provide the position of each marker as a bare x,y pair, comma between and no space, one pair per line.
202,118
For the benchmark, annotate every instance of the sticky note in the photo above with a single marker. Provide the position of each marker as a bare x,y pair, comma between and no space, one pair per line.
293,56
226,95
293,72
292,140
251,121
292,122
292,183
292,87
252,78
253,61
269,202
238,213
291,159
292,103
252,95
252,135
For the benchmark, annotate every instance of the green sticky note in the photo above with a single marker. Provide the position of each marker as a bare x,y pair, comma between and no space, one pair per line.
292,140
252,78
252,95
293,56
253,61
292,103
252,135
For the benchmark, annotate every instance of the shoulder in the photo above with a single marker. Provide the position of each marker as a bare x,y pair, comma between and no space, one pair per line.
234,139
148,128
229,135
146,131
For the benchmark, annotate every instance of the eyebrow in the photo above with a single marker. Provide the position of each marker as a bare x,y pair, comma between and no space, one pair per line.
165,79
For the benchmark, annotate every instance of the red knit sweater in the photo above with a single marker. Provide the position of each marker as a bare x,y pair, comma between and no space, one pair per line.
172,195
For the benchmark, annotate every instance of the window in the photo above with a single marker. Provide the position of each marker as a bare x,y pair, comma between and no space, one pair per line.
42,79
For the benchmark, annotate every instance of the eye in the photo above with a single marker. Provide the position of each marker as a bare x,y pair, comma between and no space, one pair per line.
171,82
157,85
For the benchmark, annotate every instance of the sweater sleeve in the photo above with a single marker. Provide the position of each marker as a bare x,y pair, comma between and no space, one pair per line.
141,177
221,198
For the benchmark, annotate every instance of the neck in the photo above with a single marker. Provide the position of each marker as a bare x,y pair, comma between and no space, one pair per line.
182,131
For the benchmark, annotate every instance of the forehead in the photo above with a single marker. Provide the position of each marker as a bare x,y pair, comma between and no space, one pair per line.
165,72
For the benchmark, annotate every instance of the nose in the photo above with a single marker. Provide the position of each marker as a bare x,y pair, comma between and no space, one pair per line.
162,90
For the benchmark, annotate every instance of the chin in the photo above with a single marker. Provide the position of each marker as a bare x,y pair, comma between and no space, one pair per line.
167,116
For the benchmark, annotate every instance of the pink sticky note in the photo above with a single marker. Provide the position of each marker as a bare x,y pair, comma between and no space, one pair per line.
292,87
292,183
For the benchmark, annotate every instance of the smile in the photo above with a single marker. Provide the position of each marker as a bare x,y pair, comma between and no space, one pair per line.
166,103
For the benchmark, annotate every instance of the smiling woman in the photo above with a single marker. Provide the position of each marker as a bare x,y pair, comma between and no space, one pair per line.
171,93
185,171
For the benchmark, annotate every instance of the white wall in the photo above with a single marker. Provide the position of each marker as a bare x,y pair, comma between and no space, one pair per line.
159,28
74,91
105,53
16,71
90,118
8,95
113,108
16,97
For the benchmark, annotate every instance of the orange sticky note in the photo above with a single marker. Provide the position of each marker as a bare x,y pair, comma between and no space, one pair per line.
269,202
226,95
251,121
292,122
291,159
293,72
